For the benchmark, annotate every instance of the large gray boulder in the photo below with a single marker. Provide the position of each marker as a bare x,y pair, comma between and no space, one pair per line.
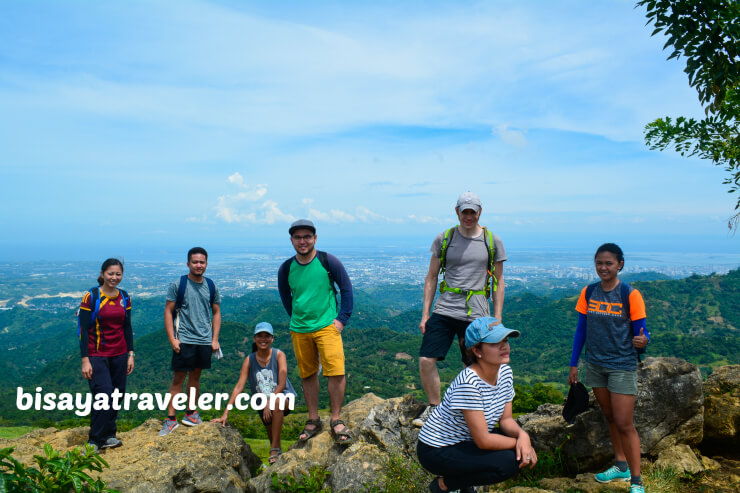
669,411
722,415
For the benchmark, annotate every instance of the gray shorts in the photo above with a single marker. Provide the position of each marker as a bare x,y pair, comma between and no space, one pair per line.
617,381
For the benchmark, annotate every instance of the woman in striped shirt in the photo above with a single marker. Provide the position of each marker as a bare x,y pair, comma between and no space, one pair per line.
459,442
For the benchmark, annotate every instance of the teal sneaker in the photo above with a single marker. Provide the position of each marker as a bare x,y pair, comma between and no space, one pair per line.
612,474
637,488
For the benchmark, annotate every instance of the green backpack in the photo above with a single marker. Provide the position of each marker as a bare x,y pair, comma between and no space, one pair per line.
490,278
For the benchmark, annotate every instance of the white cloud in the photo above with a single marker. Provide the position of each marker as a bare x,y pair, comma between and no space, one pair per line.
236,178
272,214
513,138
244,206
341,216
425,219
194,219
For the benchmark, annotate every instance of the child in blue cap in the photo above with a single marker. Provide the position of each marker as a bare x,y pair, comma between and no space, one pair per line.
266,370
459,442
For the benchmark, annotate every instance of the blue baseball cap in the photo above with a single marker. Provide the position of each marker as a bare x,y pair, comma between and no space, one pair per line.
263,327
487,329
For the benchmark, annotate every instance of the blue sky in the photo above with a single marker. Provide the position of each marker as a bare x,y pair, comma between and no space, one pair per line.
136,126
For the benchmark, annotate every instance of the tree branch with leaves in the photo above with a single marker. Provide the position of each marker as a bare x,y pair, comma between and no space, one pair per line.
707,35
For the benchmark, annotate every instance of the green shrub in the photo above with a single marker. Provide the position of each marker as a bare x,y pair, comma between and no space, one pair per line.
549,465
310,482
56,472
401,474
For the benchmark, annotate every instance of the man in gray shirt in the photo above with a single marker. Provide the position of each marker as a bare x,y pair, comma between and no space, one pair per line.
465,255
192,318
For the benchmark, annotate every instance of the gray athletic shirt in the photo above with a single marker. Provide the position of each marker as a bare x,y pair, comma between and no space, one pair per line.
466,268
264,379
196,312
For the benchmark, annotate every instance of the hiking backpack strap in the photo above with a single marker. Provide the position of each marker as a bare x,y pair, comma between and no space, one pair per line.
624,293
589,291
446,239
95,315
94,309
211,290
181,287
486,291
491,281
324,261
125,297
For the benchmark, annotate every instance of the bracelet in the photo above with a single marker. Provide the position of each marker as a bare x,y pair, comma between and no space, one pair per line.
131,354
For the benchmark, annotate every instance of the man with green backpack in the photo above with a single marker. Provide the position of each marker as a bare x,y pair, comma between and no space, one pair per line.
470,259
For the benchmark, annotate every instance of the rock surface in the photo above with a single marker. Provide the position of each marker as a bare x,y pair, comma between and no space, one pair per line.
205,458
668,411
381,426
681,459
722,401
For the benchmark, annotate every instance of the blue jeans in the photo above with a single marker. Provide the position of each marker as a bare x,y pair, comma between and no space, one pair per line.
463,464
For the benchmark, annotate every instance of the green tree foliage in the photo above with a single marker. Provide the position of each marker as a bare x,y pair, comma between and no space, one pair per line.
529,397
707,35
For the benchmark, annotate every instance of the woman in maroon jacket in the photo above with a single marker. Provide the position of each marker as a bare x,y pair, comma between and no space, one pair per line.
106,347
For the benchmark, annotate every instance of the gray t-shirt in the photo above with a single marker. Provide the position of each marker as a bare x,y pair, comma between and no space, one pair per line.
196,312
466,268
609,329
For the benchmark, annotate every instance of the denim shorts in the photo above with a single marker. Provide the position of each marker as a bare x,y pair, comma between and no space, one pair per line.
616,381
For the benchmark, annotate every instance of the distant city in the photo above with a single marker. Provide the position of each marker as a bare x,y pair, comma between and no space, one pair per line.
51,285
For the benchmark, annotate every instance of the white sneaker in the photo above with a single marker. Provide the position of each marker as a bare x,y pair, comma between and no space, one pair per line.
419,422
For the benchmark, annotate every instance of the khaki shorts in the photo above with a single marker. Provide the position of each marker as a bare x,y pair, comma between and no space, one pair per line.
616,381
324,344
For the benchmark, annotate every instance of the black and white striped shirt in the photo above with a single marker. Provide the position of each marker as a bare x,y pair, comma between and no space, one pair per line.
446,424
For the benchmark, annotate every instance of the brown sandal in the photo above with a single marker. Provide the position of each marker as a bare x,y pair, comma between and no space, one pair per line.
344,436
310,432
273,458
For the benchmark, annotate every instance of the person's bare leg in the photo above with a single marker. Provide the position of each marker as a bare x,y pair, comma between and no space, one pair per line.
604,397
276,428
311,394
623,406
336,384
175,388
194,383
430,379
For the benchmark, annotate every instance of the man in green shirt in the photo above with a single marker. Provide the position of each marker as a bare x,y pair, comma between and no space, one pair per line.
306,284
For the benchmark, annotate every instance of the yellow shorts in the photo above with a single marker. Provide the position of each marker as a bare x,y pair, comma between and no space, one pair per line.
324,344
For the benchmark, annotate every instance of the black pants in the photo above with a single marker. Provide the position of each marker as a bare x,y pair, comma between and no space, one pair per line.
109,373
463,464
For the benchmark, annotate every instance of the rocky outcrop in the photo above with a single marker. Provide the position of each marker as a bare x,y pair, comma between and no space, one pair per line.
206,458
722,403
210,458
382,427
668,411
682,459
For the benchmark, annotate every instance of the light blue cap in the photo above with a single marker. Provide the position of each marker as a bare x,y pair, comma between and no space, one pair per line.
263,327
487,329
